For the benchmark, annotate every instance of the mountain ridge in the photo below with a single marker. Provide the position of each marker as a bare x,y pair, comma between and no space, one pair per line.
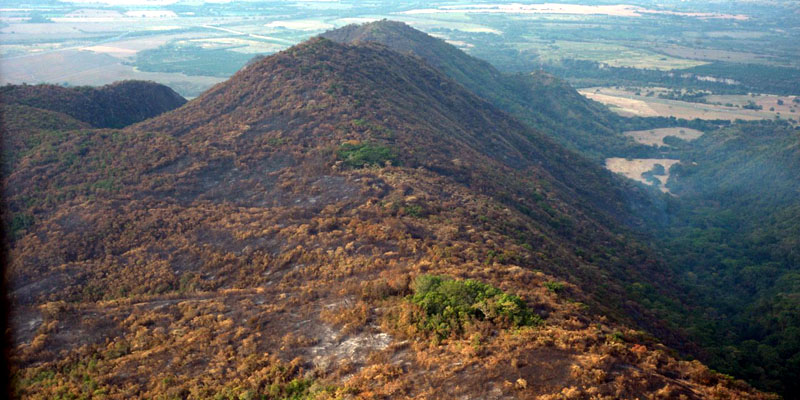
304,198
539,99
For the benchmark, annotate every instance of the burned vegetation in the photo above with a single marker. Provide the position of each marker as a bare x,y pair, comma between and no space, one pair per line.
334,221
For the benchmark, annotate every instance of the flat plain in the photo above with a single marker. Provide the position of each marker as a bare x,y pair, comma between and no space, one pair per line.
633,102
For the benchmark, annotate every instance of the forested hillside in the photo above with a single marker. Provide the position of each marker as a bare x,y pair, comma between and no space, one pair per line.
334,221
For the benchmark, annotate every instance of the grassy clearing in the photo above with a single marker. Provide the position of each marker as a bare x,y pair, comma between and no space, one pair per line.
655,137
635,101
644,170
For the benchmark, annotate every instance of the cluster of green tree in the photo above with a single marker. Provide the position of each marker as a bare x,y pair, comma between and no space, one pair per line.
685,95
191,60
751,105
357,155
449,305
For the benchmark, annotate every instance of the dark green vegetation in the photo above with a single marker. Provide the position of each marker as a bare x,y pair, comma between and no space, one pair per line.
734,237
364,154
450,305
539,99
200,250
191,60
111,106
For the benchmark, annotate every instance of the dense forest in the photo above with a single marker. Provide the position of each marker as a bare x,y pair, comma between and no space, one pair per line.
733,234
333,221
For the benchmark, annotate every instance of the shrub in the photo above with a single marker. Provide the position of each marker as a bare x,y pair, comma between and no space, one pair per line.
554,287
19,223
361,154
449,305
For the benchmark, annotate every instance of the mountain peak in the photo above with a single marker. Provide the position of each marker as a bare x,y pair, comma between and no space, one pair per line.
541,100
375,32
402,38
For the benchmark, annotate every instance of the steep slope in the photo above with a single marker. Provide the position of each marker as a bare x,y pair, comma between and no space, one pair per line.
262,239
112,106
539,99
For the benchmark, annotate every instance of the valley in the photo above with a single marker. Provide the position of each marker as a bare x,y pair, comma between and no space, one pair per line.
638,168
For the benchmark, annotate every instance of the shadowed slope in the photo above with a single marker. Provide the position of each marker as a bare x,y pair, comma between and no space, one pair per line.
112,106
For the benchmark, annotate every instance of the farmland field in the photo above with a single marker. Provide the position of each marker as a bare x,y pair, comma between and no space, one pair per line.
513,36
655,137
636,102
610,54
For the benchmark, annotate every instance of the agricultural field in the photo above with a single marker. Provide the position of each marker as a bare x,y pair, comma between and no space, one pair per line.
129,40
610,54
646,102
704,54
655,137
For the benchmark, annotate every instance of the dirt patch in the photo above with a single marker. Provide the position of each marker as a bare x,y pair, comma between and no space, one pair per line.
621,105
655,137
333,347
636,168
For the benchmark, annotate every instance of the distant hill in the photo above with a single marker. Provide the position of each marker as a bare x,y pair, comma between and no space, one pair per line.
112,106
333,221
541,100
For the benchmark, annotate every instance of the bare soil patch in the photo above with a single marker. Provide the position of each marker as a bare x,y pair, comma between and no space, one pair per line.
635,168
655,137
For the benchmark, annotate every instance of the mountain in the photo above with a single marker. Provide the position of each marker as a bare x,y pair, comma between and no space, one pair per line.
333,221
112,106
539,99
